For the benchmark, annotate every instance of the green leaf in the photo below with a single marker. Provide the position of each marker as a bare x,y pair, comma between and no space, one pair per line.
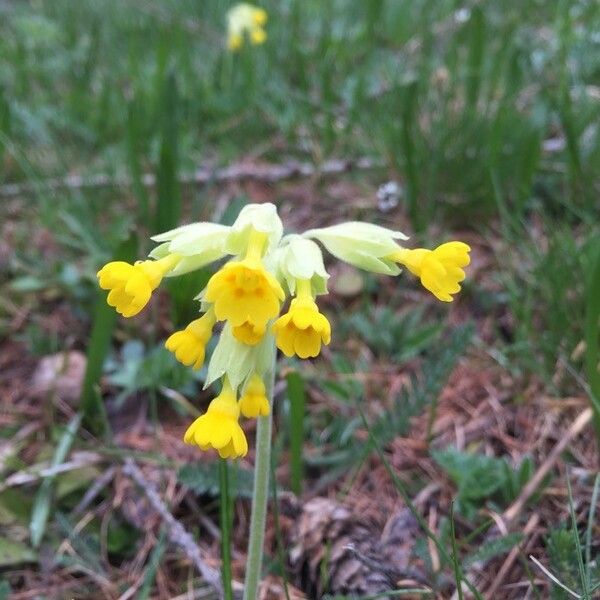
15,553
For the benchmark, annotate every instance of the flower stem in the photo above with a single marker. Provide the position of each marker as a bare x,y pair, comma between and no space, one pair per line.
260,496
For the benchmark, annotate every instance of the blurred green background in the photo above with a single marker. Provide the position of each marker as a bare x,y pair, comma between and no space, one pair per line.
485,114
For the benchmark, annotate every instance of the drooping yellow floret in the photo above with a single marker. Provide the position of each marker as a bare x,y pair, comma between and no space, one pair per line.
440,270
243,19
219,428
245,292
254,400
249,333
189,344
303,328
132,285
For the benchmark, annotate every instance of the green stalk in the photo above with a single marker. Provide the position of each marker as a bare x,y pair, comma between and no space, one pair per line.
260,496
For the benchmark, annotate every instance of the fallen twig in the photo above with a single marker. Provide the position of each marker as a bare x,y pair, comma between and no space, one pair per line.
42,471
175,530
202,176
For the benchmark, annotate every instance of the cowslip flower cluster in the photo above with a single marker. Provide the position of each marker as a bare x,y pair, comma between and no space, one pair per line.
247,293
245,19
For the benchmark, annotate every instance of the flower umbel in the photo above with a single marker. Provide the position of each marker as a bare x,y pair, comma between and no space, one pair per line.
302,330
132,285
243,19
247,293
254,401
189,344
440,270
218,428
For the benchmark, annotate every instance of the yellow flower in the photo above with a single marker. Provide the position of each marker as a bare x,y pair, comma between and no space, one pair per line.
249,333
244,292
132,285
302,330
189,344
254,400
245,18
218,428
440,270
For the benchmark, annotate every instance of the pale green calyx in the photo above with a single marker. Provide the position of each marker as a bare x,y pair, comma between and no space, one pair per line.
237,360
363,245
198,243
255,217
301,258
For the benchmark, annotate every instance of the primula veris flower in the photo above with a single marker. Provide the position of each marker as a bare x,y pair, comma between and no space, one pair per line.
246,293
219,428
439,270
131,286
243,19
189,344
303,329
254,401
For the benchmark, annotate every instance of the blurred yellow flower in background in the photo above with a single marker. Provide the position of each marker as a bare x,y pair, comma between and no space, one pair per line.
247,19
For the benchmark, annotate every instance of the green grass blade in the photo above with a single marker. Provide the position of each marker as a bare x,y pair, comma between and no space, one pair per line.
168,202
225,519
455,563
476,53
580,566
297,397
104,319
590,527
43,499
278,535
592,326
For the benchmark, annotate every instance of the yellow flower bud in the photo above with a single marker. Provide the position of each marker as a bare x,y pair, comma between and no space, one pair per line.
189,344
254,400
249,333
